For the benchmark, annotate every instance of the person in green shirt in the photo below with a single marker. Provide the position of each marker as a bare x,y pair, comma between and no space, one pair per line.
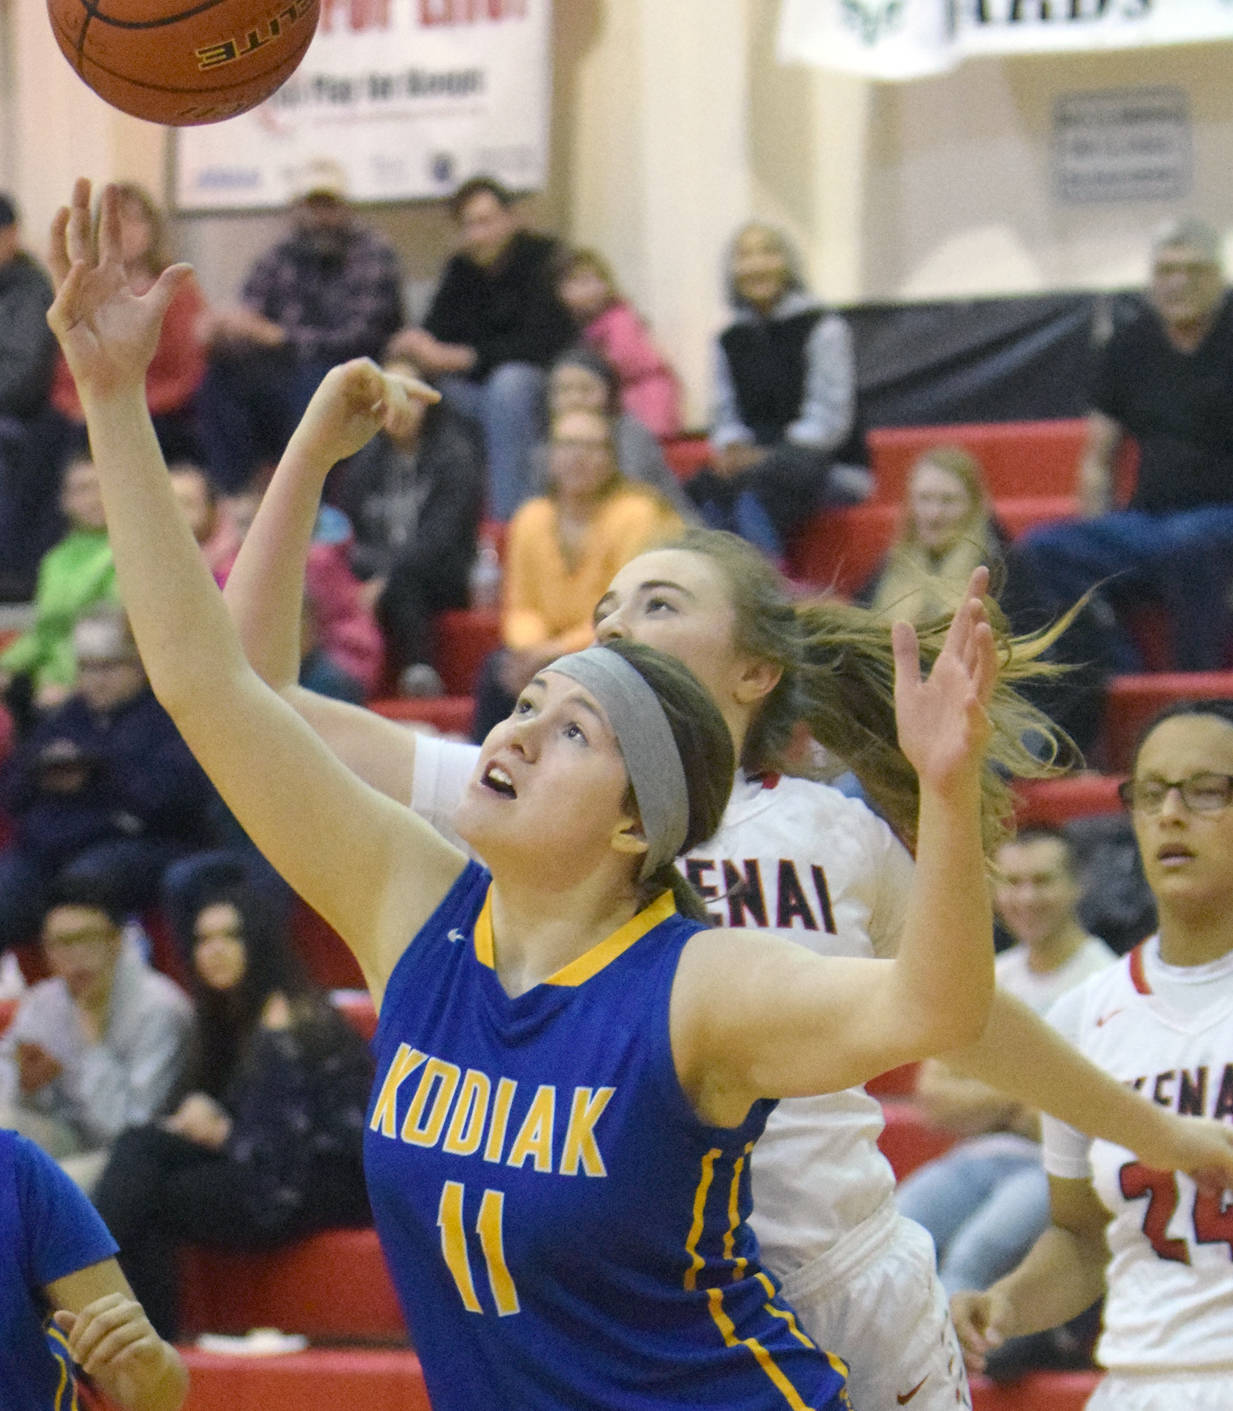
37,670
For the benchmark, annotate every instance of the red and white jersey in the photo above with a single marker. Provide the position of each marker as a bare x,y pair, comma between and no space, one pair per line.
1167,1031
820,869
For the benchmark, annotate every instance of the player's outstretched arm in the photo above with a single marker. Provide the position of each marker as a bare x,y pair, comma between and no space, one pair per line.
753,1018
109,1337
1023,1057
1061,1275
265,587
367,864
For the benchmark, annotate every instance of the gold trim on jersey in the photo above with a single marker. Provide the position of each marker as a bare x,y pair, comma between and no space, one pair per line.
68,1382
715,1296
578,971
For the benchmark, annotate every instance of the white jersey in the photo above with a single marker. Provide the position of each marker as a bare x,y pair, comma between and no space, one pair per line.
1167,1031
1039,990
800,859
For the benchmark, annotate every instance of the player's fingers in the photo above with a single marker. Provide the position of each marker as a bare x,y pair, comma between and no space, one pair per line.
57,257
168,285
907,655
416,389
109,224
78,242
63,313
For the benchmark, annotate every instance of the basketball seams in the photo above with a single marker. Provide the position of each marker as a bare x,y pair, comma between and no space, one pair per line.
91,7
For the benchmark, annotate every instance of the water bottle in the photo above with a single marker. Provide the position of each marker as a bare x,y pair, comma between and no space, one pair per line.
485,578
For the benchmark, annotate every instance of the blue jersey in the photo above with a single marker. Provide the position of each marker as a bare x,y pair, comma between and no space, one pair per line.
47,1229
561,1228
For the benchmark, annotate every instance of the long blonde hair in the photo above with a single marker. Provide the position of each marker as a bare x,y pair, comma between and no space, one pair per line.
919,584
838,679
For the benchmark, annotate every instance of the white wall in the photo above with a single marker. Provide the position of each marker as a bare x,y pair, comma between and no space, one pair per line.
672,123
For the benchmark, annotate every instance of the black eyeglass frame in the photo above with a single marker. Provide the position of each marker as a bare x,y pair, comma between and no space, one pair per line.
1185,787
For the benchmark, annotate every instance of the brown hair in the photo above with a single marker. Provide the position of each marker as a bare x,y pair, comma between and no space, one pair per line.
704,744
838,679
159,255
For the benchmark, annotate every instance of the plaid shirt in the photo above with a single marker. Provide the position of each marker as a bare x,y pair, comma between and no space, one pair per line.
330,312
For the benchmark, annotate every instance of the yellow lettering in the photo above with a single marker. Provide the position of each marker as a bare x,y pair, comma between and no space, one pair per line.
212,55
534,1137
470,1111
506,1088
385,1113
439,1081
580,1144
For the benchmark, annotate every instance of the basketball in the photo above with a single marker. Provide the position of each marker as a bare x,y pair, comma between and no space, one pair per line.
182,62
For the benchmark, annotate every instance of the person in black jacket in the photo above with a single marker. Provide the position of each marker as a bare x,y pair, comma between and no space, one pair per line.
103,788
27,357
263,1145
414,502
785,433
494,326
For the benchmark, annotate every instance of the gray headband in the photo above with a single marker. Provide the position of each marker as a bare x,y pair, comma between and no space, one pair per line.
652,760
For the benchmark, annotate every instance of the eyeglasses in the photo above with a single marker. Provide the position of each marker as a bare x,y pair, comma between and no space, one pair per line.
1201,793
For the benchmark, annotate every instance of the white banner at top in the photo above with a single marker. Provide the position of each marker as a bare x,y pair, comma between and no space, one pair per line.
901,39
408,97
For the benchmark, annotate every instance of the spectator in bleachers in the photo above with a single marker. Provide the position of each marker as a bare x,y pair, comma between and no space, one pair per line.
37,670
1165,382
63,1298
563,548
581,379
264,1143
205,513
99,1045
102,789
415,503
179,361
494,325
986,1200
340,614
784,428
27,356
611,326
948,528
330,290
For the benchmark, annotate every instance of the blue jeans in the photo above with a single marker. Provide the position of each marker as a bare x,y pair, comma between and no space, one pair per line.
985,1202
1182,560
508,405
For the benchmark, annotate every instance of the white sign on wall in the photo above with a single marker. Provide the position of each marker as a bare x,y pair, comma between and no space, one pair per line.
1125,144
900,39
409,97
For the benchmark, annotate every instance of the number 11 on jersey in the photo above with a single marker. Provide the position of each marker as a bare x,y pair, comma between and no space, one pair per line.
492,1243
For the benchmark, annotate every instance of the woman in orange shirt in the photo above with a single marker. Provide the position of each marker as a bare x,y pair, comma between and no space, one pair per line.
562,549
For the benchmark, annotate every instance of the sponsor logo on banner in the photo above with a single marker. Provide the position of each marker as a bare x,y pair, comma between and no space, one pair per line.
409,97
901,39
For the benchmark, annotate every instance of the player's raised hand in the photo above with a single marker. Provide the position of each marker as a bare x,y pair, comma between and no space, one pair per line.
942,721
980,1320
353,402
108,332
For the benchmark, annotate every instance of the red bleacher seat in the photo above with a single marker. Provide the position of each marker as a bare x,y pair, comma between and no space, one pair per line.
332,1286
8,1007
349,1379
322,951
359,1010
451,714
1056,801
1039,1391
896,1082
1020,458
464,638
1133,701
907,1140
686,455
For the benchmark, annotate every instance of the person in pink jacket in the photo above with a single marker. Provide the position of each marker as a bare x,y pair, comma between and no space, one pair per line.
610,325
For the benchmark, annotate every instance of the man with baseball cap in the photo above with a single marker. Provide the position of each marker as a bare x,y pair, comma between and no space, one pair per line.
330,290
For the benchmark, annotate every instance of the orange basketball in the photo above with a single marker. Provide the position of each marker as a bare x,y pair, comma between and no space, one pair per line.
183,61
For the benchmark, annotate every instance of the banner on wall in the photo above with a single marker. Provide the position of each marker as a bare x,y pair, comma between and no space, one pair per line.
409,97
903,39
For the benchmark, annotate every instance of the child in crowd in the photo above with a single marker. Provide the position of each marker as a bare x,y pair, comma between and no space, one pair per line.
610,325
